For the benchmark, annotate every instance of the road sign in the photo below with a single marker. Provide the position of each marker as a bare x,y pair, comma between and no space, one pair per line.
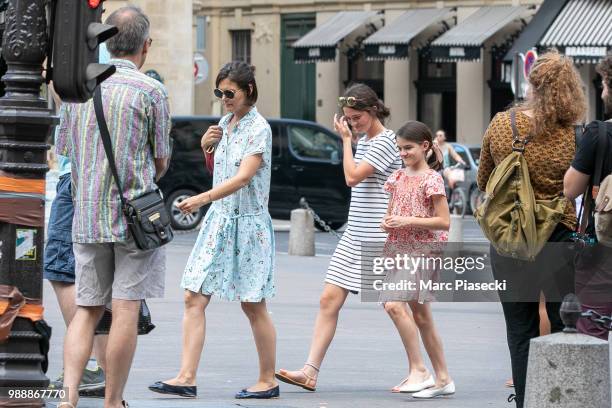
200,68
530,58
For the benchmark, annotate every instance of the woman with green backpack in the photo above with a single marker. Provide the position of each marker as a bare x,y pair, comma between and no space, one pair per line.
525,153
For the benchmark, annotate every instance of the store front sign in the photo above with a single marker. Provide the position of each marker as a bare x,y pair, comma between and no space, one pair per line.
597,52
314,52
456,52
386,49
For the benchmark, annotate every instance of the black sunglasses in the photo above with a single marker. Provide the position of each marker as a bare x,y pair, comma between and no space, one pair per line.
229,94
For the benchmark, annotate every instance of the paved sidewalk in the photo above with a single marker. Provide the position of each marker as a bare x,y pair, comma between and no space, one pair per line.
365,360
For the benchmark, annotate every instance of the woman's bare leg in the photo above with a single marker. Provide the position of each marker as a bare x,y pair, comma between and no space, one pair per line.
330,303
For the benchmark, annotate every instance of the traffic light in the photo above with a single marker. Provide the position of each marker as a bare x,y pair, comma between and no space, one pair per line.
77,32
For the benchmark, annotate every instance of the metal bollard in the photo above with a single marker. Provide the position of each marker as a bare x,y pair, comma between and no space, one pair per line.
301,235
568,370
455,233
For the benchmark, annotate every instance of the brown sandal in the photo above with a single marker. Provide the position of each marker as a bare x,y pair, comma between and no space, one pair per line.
309,384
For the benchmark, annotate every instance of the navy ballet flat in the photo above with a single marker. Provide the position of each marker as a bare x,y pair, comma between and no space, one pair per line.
180,390
267,394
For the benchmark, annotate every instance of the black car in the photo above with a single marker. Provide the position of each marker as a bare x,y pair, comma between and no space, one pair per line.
306,162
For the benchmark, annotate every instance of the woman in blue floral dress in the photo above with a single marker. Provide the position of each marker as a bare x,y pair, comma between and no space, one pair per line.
233,257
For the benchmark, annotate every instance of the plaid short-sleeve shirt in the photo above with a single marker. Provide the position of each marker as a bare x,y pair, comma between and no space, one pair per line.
138,117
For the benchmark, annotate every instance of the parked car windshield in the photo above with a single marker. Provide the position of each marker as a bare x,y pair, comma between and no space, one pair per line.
312,144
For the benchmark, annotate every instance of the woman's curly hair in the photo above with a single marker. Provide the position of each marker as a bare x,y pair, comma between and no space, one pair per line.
557,94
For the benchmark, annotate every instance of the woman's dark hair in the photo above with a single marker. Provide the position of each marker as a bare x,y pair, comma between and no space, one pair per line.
418,132
243,75
367,100
604,68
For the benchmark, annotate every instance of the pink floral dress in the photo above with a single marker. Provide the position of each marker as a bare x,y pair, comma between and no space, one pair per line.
411,196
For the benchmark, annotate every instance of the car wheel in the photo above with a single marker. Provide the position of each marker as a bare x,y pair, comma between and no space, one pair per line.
333,225
477,197
179,220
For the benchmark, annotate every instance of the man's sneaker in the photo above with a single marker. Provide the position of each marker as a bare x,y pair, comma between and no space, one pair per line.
58,383
93,381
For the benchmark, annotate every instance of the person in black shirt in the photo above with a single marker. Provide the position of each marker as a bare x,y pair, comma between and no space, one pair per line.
593,264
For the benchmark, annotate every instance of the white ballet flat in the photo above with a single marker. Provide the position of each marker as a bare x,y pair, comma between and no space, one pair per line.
448,389
416,387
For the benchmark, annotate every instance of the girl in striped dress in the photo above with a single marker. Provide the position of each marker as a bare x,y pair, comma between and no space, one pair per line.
366,172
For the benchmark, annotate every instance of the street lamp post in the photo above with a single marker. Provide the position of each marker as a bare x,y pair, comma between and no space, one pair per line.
25,125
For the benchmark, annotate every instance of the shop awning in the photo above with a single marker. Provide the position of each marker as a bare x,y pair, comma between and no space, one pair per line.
583,30
394,40
465,41
541,21
320,43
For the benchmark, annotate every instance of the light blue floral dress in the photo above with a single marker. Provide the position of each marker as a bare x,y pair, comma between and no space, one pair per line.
233,257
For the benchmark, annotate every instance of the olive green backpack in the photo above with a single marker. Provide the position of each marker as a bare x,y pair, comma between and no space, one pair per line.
516,224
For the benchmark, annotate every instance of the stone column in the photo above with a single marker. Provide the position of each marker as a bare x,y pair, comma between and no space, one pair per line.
329,84
587,74
265,56
470,94
400,92
171,53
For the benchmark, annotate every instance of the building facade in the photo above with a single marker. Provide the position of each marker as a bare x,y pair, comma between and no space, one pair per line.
445,63
171,52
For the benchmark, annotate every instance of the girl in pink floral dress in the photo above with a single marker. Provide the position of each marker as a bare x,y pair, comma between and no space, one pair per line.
417,221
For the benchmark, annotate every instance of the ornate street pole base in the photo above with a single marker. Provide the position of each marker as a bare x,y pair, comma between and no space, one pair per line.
25,126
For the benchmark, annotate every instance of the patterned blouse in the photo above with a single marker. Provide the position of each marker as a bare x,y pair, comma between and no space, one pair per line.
548,157
138,116
411,196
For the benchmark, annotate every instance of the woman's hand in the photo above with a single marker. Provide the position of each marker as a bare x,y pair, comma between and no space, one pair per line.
384,226
192,204
211,137
395,221
341,126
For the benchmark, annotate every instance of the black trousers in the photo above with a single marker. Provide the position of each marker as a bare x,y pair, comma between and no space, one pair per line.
552,273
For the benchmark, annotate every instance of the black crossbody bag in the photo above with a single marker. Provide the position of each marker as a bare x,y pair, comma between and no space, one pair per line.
147,217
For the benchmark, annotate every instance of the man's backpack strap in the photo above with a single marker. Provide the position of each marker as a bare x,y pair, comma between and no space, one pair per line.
602,150
578,134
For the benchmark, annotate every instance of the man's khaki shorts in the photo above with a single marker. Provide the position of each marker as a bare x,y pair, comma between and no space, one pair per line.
117,270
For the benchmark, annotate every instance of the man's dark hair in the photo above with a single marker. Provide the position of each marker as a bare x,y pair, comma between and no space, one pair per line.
133,27
243,75
604,68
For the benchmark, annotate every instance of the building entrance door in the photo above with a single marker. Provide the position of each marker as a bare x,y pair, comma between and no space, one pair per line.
298,90
437,93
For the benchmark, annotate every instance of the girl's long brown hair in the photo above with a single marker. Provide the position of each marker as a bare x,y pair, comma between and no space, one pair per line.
418,132
558,99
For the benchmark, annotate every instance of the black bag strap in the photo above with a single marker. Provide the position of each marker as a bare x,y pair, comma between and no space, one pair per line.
578,134
588,204
106,141
602,150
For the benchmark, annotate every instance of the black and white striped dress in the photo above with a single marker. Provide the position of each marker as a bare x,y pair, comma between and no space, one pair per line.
368,207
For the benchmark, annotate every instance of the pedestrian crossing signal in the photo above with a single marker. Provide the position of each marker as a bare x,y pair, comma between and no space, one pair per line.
77,33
